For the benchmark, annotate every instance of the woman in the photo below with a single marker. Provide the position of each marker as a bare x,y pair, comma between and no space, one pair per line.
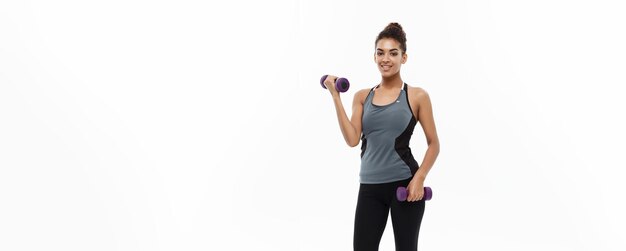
385,116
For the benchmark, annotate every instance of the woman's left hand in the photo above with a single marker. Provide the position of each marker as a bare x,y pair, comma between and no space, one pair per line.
415,190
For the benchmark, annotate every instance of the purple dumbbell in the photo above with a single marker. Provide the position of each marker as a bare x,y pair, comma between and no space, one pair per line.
401,193
341,84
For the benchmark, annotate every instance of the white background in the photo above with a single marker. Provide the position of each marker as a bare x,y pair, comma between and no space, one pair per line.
199,125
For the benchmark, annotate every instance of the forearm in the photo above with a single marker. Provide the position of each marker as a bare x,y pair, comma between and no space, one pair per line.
347,129
428,162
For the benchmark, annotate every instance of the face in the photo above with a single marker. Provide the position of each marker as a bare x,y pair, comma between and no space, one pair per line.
389,57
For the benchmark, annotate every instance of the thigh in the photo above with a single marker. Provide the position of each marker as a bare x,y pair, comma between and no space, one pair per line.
370,218
406,218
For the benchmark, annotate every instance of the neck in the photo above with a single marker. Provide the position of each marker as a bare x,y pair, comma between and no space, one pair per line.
394,81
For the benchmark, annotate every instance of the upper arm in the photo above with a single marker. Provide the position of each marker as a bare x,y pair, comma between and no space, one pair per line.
425,116
357,111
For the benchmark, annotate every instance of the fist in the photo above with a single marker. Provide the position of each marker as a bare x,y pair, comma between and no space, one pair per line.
329,82
415,191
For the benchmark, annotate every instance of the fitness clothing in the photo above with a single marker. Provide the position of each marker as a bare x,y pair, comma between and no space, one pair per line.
372,211
386,164
387,130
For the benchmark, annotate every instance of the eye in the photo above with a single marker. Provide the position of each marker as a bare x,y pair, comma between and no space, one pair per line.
379,53
394,54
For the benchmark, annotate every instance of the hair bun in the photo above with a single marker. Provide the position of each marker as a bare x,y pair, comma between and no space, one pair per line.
393,25
395,31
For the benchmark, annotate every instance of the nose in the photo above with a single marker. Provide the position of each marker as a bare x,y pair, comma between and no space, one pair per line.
385,59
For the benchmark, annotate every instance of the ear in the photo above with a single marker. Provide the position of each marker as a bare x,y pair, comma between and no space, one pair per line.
404,57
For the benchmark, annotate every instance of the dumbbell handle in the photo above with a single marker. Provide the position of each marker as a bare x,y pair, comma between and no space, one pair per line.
402,193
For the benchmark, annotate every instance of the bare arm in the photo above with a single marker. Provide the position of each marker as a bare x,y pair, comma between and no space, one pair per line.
425,117
427,121
350,129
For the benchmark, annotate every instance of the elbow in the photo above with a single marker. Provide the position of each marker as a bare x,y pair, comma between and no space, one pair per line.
435,146
353,144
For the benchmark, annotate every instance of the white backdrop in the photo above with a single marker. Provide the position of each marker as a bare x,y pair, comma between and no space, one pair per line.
189,125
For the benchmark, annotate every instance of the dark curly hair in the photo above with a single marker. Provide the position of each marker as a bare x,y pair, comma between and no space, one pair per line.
393,30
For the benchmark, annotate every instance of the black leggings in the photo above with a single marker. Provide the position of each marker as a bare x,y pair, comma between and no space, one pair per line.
372,210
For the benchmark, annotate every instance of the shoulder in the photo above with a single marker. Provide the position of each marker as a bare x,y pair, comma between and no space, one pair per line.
361,95
363,92
417,93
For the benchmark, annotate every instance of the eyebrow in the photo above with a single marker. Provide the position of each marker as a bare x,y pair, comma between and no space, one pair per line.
379,49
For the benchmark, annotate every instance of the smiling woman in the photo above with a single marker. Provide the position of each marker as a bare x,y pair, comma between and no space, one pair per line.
384,117
393,43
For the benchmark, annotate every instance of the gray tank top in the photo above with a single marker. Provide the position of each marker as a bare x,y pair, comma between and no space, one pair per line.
387,130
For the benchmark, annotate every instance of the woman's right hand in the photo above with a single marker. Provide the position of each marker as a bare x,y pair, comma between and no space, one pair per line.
329,82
